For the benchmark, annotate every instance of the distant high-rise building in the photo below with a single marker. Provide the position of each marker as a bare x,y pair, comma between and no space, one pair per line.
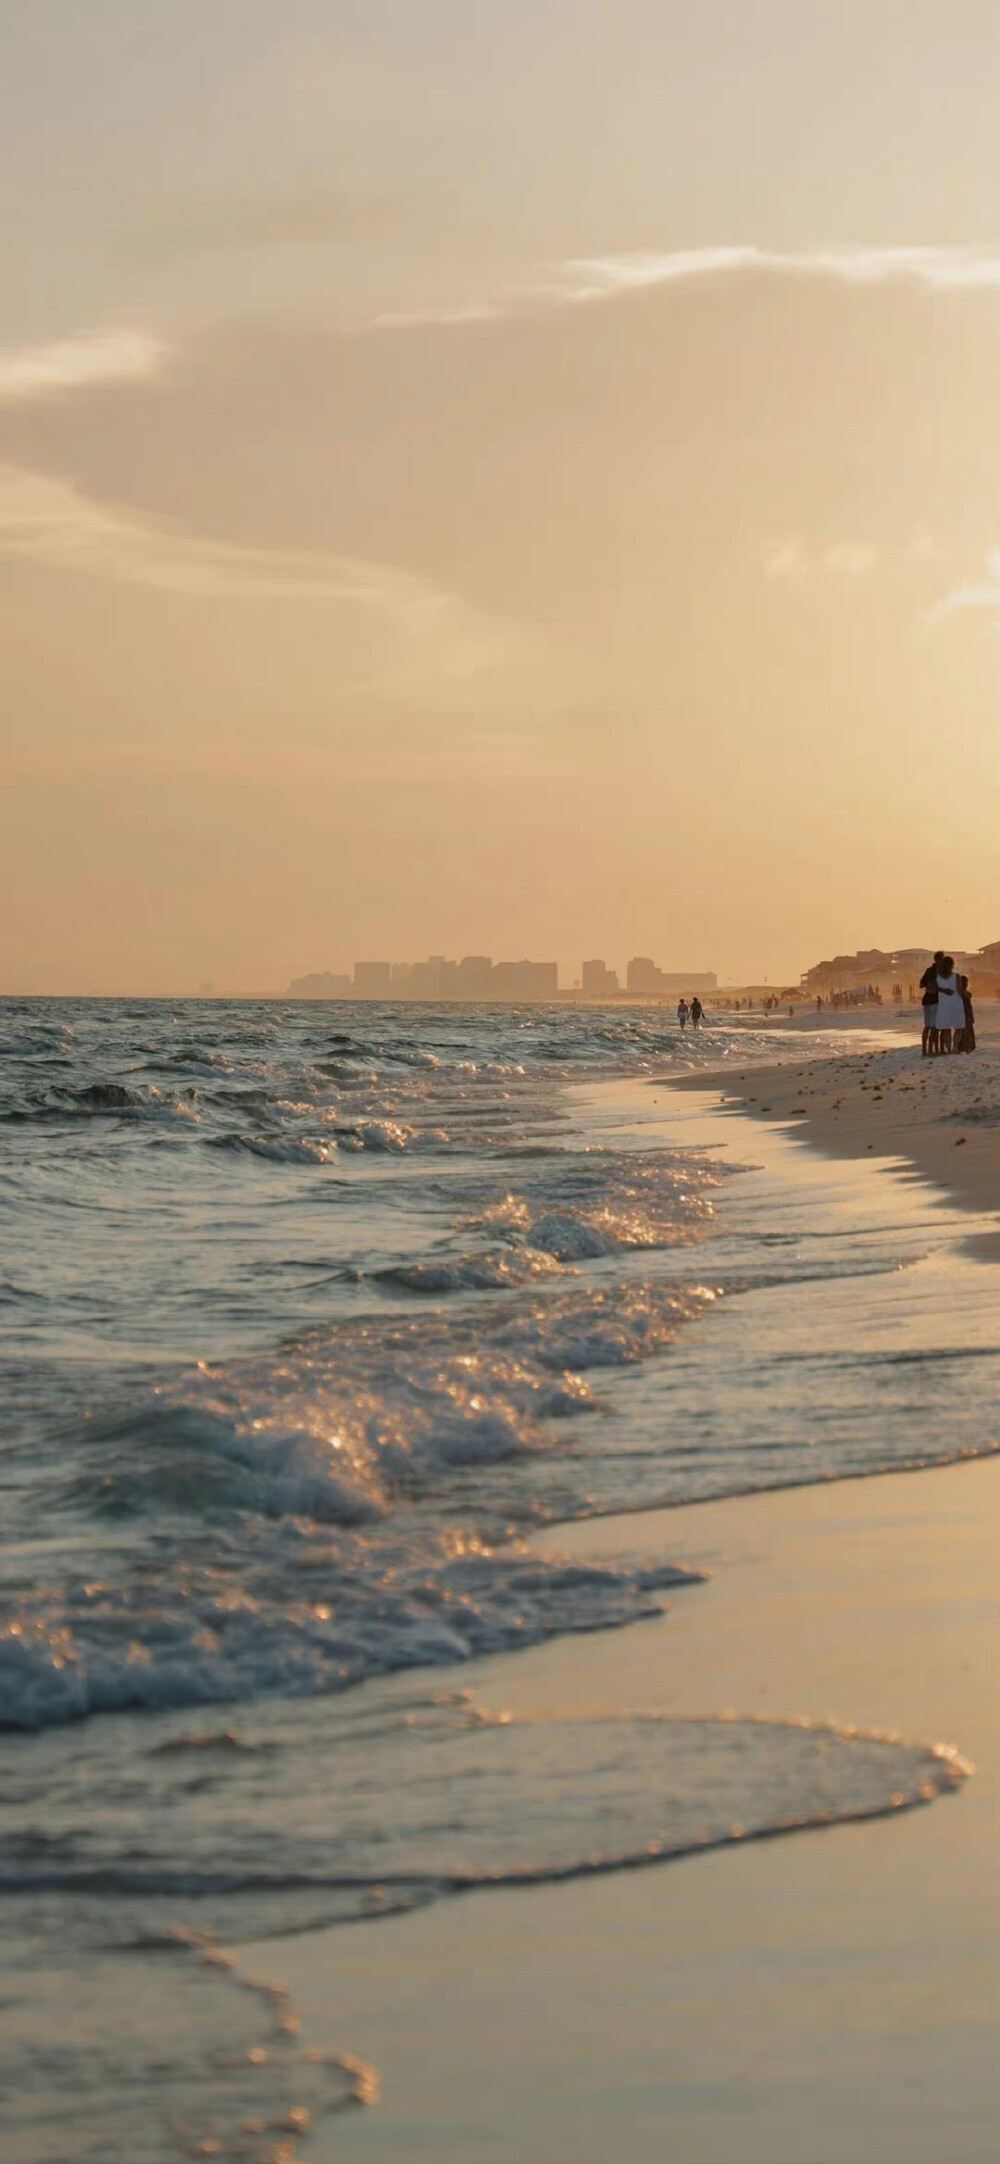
598,980
645,977
372,980
434,979
474,977
441,978
525,980
320,984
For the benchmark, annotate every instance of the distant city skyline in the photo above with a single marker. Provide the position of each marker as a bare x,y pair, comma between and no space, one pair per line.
479,977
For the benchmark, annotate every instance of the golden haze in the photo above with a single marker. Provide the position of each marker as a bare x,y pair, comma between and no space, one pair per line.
364,591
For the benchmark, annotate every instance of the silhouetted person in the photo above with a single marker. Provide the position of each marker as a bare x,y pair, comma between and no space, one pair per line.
950,1015
697,1010
682,1012
968,1034
929,1000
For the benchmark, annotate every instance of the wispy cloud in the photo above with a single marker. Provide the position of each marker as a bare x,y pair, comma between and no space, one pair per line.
53,524
948,269
982,594
787,559
50,524
71,364
604,278
416,318
792,558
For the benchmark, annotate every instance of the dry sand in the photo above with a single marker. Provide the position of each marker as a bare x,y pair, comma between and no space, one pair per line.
942,1116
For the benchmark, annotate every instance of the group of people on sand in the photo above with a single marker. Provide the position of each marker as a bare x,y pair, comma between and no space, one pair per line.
695,1013
949,1020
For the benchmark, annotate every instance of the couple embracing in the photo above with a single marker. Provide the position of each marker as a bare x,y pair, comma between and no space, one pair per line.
949,1020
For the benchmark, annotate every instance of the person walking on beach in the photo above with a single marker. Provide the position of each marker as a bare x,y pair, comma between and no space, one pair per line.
929,1000
950,1012
697,1010
682,1012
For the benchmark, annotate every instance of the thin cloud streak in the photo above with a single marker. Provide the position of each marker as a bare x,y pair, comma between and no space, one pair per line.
984,595
791,558
944,269
71,364
603,278
52,524
47,523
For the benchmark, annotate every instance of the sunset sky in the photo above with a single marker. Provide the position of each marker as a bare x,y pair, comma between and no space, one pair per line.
509,479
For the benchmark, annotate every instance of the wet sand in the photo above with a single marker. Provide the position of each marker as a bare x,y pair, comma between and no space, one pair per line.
825,1998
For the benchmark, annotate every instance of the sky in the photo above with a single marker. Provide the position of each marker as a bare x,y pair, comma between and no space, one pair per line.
510,480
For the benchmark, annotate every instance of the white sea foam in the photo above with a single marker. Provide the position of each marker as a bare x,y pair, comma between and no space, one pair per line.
305,1624
282,1150
364,1432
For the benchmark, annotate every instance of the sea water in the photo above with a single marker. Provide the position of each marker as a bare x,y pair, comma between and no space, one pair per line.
311,1315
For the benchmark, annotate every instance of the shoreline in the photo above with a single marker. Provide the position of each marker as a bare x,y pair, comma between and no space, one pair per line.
779,2002
882,1104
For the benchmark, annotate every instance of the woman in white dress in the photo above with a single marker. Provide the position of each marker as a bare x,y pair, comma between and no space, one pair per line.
950,1007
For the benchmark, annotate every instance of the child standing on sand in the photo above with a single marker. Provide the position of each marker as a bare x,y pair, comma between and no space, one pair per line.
967,1036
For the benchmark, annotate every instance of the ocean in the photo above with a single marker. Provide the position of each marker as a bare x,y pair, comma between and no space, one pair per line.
312,1315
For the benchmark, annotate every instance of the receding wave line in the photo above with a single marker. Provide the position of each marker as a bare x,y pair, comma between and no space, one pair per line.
595,1795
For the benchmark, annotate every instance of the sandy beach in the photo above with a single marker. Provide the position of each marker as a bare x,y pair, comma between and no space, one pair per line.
826,1998
939,1116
